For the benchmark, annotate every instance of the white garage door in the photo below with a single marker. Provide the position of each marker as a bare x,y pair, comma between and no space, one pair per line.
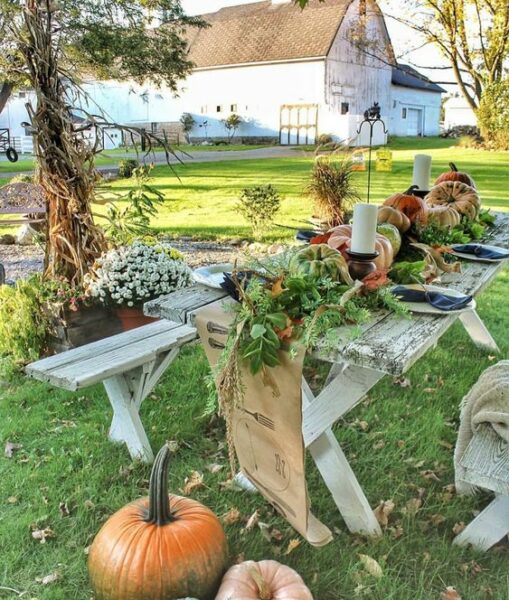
414,121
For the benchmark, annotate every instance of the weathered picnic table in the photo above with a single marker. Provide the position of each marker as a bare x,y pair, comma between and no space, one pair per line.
388,345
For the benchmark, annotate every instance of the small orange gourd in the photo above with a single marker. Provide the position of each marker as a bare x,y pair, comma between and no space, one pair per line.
159,547
410,205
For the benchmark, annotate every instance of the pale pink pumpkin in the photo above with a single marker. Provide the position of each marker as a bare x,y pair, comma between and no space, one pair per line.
264,580
341,240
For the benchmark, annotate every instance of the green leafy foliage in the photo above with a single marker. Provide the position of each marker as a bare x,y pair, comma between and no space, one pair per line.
435,235
231,124
127,166
493,114
23,324
407,272
128,216
259,206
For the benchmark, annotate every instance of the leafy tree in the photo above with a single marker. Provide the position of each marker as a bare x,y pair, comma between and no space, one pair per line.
44,44
493,114
473,36
188,122
231,124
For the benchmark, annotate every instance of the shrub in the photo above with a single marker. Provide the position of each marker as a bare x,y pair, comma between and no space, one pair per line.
332,189
324,138
23,323
493,115
468,141
22,179
129,215
131,275
231,124
259,206
126,167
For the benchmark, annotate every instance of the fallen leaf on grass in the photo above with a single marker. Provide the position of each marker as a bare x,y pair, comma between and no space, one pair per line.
450,594
231,517
10,448
471,568
429,474
412,506
445,444
252,521
12,500
173,445
193,482
214,467
458,528
371,565
269,533
292,544
397,532
43,534
382,512
437,519
51,578
64,509
403,382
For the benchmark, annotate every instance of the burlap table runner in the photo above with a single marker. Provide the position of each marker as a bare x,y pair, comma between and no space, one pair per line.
267,430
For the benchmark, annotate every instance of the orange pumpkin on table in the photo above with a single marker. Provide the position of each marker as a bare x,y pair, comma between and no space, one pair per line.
460,196
455,175
264,580
341,239
410,205
159,547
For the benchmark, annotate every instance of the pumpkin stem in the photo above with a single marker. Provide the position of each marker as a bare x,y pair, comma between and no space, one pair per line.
159,504
412,189
264,592
453,167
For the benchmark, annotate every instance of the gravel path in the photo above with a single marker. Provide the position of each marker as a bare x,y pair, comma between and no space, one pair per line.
21,261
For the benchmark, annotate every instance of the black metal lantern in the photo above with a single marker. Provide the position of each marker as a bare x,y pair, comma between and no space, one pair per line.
372,116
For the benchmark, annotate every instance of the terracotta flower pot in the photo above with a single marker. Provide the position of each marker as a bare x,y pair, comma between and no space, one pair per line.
132,317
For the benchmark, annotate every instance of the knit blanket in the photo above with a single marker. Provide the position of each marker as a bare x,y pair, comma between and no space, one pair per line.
487,402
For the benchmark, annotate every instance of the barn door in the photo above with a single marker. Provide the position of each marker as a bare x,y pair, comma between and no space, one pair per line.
298,124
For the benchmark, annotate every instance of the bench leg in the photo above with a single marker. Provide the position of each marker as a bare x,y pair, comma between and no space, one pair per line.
478,331
126,425
489,527
334,466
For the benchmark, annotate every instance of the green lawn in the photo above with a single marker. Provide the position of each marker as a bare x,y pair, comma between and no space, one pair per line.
405,431
202,203
391,439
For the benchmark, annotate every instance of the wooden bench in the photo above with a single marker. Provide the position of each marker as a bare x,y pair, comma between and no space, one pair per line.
486,465
129,365
26,199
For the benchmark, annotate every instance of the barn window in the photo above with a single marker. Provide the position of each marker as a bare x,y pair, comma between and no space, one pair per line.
203,110
233,108
394,104
345,108
403,113
219,108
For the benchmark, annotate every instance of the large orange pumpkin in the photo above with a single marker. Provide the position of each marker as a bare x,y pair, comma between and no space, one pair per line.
459,195
455,175
159,547
265,580
341,239
410,205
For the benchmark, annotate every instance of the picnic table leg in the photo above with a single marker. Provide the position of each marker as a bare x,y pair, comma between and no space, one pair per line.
126,425
329,457
478,331
489,527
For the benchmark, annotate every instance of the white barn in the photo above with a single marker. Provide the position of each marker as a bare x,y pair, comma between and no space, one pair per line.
290,74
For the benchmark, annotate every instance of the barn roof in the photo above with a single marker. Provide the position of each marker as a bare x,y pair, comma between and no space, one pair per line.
266,32
407,76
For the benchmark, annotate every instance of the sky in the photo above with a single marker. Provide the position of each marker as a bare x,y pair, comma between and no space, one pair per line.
403,38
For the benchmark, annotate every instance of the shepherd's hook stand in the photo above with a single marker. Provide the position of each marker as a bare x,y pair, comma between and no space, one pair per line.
372,116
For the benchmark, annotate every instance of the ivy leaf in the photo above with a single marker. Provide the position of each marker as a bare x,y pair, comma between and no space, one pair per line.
257,331
278,319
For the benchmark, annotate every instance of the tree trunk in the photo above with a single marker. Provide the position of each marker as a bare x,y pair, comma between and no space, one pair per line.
65,161
5,94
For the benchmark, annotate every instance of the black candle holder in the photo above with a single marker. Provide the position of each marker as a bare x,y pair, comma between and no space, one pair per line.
372,116
361,264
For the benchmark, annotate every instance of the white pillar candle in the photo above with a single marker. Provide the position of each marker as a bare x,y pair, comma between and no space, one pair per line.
422,171
365,218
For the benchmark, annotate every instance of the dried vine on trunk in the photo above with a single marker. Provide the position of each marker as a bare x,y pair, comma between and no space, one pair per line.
65,160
